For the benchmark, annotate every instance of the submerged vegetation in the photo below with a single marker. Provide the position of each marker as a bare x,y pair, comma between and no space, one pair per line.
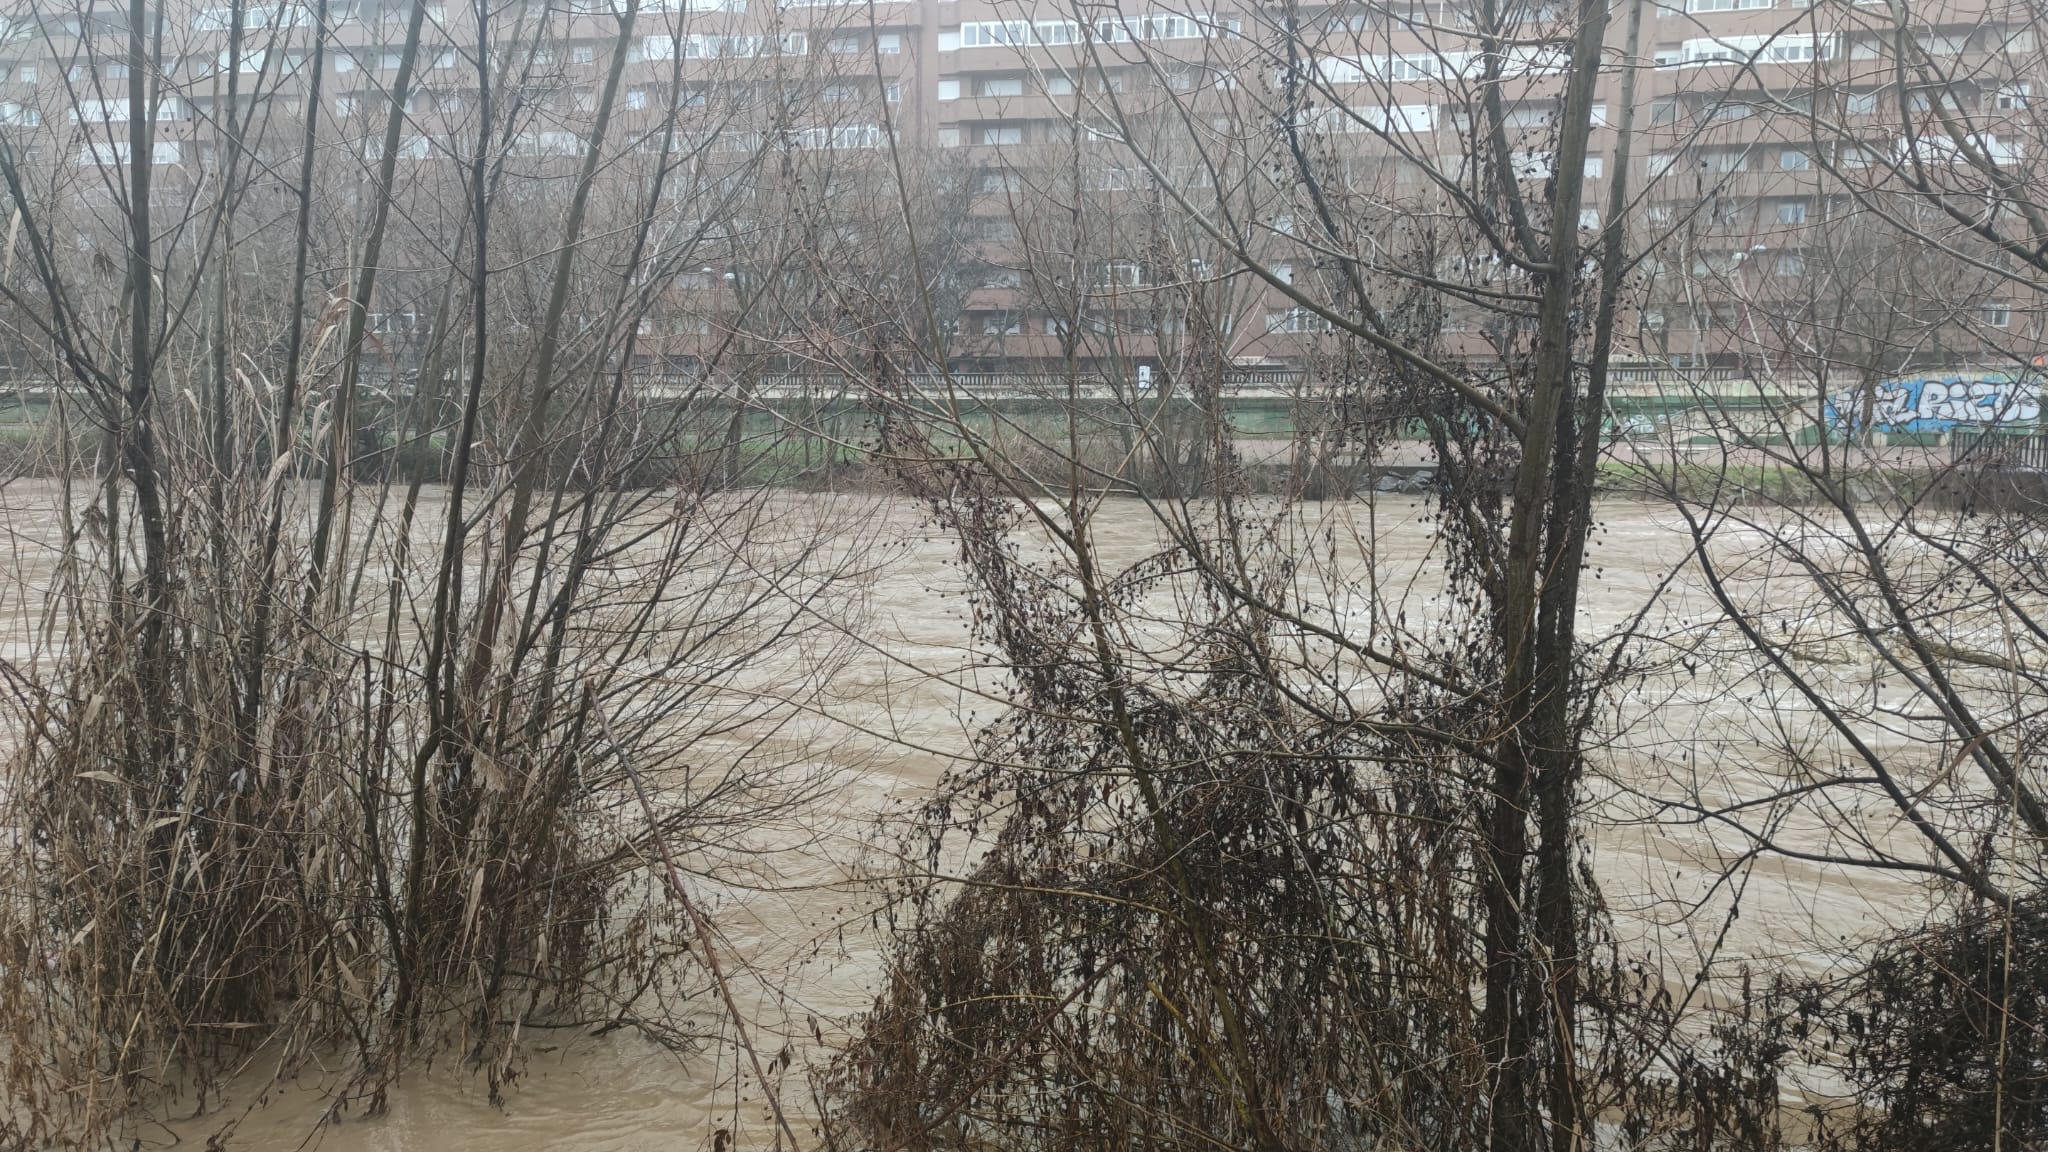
349,769
373,827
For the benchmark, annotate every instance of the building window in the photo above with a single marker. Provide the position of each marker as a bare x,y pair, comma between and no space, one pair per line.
995,33
1284,273
99,111
110,152
1296,320
1055,32
1996,315
1792,160
1596,167
1533,165
1790,264
253,60
2013,97
1792,212
949,89
889,44
1111,179
1000,134
1123,274
999,86
399,322
1779,48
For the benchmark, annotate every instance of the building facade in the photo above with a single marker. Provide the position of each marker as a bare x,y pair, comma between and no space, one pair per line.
1105,176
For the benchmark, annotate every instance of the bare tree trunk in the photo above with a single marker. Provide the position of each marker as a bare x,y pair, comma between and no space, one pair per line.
341,441
528,461
139,450
284,429
1537,674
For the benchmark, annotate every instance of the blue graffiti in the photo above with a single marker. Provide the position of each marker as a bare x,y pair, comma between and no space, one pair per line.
1934,405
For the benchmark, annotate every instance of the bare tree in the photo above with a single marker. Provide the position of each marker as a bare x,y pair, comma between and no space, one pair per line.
1867,556
1257,857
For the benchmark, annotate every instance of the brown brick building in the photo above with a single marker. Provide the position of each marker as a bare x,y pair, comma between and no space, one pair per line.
1081,144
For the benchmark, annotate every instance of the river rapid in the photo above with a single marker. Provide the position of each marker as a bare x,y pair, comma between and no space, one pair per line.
798,925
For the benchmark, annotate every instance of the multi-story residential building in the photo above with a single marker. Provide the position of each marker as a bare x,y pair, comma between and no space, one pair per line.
1764,138
1774,138
1096,150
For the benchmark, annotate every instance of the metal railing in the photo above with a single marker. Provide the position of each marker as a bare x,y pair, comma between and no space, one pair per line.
995,385
1984,446
1666,374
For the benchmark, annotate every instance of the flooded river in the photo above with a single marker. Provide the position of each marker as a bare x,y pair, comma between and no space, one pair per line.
798,926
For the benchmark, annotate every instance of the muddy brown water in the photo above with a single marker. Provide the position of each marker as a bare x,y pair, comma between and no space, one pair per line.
798,929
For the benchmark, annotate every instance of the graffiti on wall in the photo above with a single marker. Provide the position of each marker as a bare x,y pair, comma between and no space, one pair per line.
1933,405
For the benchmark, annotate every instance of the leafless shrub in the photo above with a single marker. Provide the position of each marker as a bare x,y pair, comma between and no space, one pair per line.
312,760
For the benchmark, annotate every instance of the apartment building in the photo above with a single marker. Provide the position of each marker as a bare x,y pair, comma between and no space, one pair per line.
1086,138
1764,136
1771,137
